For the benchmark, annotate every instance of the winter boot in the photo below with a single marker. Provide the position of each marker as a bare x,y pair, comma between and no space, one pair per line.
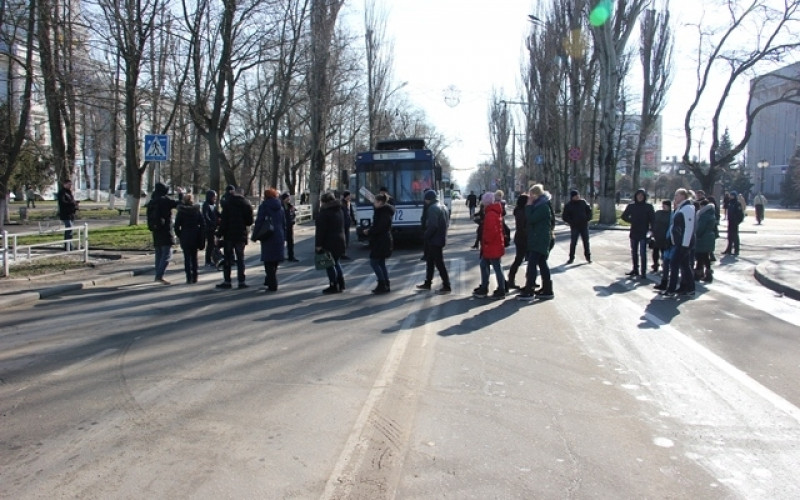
341,284
547,290
424,286
333,288
381,288
709,276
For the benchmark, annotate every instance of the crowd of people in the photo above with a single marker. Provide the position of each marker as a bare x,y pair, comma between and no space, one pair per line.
681,237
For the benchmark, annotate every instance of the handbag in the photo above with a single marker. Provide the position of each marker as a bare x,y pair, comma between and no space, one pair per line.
323,260
264,231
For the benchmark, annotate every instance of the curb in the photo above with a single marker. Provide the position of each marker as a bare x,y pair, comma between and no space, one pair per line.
762,275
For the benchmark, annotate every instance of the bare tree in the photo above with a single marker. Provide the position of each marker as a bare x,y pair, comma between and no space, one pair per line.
19,29
611,35
379,69
719,56
655,51
323,21
499,135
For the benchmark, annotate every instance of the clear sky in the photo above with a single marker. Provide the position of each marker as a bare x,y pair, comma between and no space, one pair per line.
477,47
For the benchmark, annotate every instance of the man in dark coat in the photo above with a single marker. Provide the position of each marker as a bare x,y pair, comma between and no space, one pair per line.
190,230
735,217
435,238
577,213
67,206
472,203
640,214
380,241
329,237
236,217
210,221
159,221
291,220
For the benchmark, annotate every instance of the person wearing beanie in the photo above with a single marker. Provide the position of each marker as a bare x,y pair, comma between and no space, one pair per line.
210,221
435,238
577,214
329,237
640,215
236,218
492,247
190,230
159,222
539,220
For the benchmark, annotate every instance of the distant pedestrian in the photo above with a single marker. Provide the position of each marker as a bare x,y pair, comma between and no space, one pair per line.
520,240
291,220
539,220
706,234
380,242
492,247
329,237
190,229
159,222
272,248
435,239
760,202
210,213
577,213
661,241
30,197
67,207
735,217
235,219
640,215
683,244
472,202
348,219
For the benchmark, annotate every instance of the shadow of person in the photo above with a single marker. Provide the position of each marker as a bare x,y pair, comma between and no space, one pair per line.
483,319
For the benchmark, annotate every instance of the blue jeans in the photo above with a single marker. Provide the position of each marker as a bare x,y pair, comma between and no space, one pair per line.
379,267
163,256
536,259
639,247
335,273
498,272
67,234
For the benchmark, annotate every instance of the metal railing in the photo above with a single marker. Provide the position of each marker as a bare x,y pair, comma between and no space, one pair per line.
14,253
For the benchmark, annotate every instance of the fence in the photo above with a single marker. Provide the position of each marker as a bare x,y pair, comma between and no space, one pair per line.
14,253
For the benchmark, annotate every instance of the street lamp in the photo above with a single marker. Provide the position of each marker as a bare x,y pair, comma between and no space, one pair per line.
762,166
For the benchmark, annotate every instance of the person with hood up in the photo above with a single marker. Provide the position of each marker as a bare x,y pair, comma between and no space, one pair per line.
683,241
520,240
159,221
329,236
190,230
435,238
735,217
706,233
236,217
577,213
210,220
380,241
492,247
640,214
272,247
539,220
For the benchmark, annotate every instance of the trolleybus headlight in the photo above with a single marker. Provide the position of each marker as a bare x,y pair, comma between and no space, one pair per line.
365,222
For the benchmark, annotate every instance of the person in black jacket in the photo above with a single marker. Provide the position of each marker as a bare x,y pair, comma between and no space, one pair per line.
380,241
662,242
67,206
329,236
577,213
291,220
735,217
159,221
210,221
640,215
435,238
190,230
236,217
520,240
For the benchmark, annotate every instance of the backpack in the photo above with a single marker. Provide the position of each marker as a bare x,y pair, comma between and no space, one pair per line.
154,222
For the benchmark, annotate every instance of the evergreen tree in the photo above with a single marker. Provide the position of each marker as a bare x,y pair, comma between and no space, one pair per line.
790,188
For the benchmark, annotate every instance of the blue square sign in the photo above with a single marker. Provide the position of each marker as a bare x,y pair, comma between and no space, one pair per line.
156,147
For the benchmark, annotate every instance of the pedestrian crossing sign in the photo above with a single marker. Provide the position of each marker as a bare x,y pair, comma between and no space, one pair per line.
156,147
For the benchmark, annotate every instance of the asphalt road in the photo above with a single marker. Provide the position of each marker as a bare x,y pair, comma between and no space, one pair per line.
136,390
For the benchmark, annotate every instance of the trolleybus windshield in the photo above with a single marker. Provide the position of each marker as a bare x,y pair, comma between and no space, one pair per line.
406,181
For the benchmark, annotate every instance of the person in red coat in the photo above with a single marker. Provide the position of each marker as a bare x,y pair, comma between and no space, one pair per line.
492,247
